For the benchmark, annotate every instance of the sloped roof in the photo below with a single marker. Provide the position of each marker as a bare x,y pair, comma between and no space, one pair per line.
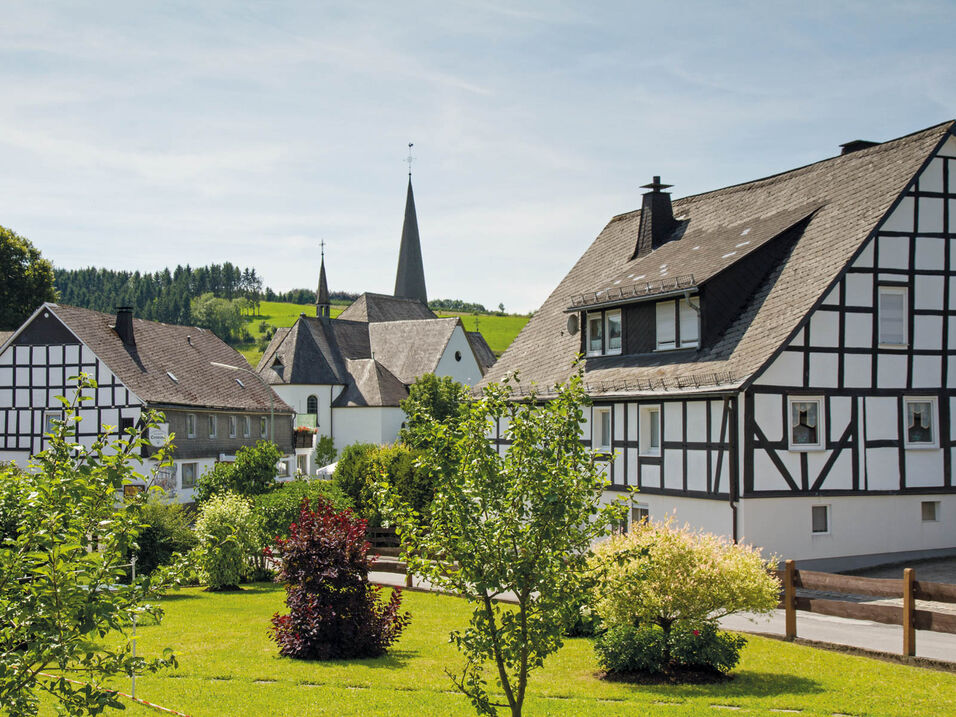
374,308
372,385
314,351
483,353
410,276
853,193
185,352
411,348
4,336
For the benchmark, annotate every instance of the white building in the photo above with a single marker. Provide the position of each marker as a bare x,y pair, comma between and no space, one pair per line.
776,361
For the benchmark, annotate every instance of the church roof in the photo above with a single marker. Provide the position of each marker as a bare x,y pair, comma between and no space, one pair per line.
483,353
314,351
374,308
848,196
372,385
410,277
411,348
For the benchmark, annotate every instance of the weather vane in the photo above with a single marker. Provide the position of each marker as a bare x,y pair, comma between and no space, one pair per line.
410,158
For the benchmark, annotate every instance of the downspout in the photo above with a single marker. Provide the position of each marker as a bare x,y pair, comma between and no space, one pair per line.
734,463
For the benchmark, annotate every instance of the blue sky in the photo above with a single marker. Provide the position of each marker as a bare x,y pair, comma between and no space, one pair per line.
144,135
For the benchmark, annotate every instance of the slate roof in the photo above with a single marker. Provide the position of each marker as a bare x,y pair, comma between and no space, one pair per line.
411,348
372,385
374,308
853,192
314,351
163,349
410,276
483,353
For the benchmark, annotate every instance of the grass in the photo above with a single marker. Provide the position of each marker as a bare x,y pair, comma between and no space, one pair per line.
228,666
499,331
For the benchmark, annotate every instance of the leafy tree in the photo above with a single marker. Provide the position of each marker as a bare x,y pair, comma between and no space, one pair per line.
228,538
253,472
324,453
363,464
430,399
520,522
333,610
64,596
221,316
658,574
27,279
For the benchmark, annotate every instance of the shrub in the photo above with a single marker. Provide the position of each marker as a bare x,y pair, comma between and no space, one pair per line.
582,621
228,535
333,610
252,473
363,464
324,453
703,645
625,648
352,475
277,510
165,534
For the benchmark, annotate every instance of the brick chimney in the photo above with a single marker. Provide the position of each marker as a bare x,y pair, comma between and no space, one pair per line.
657,219
124,325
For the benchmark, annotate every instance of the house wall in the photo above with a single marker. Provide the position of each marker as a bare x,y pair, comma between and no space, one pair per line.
464,370
362,424
873,480
296,395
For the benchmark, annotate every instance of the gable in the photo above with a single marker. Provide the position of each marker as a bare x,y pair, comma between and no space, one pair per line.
44,329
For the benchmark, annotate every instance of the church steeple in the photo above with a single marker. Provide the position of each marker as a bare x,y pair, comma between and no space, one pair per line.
322,303
410,278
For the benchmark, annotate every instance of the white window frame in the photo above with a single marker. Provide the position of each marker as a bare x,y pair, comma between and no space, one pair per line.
934,423
190,425
645,422
213,427
48,418
683,304
663,308
598,415
829,514
821,443
607,332
182,475
233,426
587,331
900,291
935,504
676,307
246,426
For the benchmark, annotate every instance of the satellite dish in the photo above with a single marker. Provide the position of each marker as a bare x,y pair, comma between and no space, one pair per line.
573,324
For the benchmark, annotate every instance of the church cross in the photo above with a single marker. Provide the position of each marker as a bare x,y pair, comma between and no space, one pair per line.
410,158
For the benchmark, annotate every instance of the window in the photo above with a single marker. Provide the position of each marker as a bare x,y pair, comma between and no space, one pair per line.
650,426
806,424
919,415
233,426
263,427
125,425
612,326
640,513
930,511
188,476
246,426
312,404
50,421
302,464
212,425
601,430
820,519
678,325
892,315
595,334
190,425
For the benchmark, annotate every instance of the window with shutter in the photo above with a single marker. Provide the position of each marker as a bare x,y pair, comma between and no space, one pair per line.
666,325
892,315
689,325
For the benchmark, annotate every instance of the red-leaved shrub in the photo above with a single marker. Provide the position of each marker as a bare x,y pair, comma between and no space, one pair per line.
333,610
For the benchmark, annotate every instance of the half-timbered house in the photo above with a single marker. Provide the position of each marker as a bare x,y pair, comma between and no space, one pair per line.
776,360
137,365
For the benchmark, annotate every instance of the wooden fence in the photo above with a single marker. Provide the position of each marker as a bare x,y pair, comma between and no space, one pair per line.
907,615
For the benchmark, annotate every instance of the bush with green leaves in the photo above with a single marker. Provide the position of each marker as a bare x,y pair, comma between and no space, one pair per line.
352,475
277,510
362,465
430,399
166,534
645,648
678,579
63,575
228,536
252,473
324,453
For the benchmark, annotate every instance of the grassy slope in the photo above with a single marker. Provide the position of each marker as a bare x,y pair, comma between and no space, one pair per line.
229,667
499,331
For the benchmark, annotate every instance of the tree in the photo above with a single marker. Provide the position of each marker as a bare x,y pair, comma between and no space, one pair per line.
430,399
521,522
253,472
663,575
64,593
221,316
27,280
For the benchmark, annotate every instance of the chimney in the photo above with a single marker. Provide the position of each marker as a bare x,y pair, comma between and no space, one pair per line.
124,325
657,219
856,145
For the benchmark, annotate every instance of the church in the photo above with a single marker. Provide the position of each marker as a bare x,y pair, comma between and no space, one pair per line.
346,376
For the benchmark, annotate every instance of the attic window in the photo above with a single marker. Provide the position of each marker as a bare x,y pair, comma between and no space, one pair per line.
175,380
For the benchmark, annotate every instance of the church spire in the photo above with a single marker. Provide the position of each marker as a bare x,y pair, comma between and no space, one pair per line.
322,303
410,278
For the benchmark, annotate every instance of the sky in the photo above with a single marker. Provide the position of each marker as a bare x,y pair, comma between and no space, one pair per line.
142,135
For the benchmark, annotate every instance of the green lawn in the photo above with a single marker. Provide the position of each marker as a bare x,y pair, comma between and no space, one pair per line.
499,331
227,666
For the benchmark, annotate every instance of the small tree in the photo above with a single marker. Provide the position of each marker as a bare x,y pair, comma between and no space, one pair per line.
333,610
253,472
519,523
658,574
228,535
430,399
324,453
64,596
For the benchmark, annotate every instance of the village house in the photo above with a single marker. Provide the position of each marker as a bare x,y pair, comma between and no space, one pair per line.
209,411
345,377
774,361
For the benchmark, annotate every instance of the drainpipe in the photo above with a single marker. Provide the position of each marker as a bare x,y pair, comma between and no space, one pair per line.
734,464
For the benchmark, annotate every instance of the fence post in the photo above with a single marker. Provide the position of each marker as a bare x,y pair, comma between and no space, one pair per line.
909,610
790,599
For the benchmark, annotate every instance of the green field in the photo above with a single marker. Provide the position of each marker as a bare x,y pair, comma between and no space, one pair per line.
499,331
228,666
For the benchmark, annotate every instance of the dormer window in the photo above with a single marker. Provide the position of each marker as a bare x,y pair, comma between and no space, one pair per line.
605,333
678,325
613,332
595,334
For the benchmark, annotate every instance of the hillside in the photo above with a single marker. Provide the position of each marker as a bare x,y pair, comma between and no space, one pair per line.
499,331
